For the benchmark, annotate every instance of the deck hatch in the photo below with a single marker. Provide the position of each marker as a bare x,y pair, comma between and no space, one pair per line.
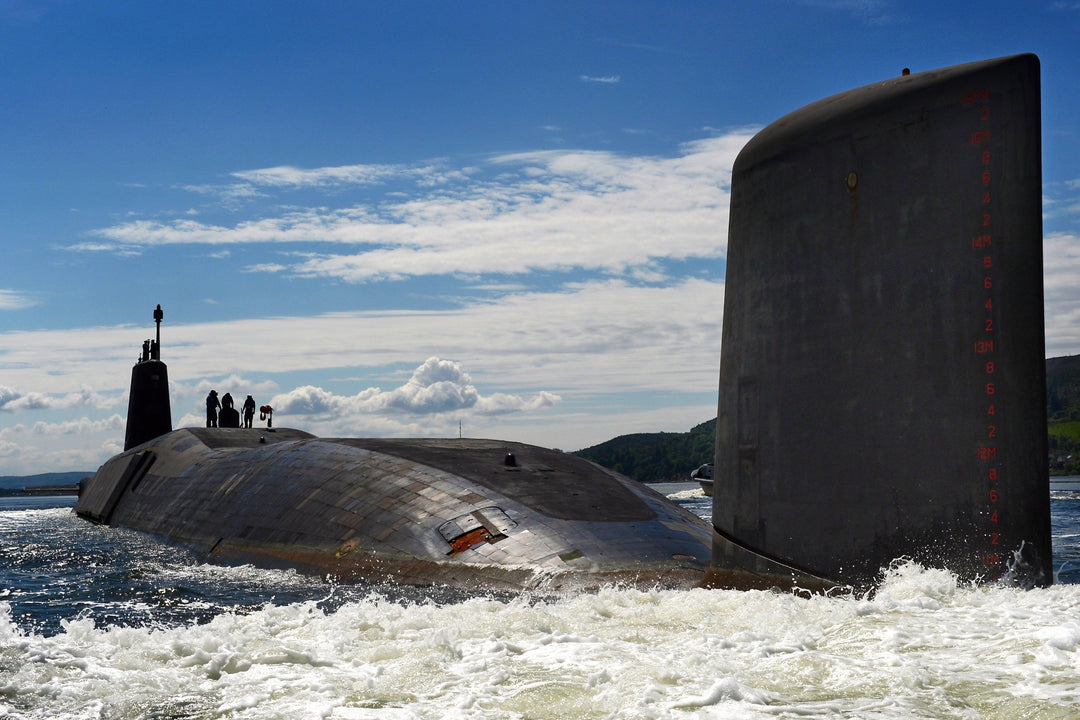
488,524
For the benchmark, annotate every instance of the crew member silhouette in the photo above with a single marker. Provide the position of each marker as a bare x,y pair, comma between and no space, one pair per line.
212,405
226,400
249,411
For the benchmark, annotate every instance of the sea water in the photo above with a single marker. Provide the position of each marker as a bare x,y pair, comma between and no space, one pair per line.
104,623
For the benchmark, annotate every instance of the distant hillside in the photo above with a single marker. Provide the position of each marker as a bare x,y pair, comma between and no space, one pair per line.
655,457
1063,388
1063,414
18,482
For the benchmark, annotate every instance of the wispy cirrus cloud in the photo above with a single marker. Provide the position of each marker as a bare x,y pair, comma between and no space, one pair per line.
549,210
602,79
288,176
260,183
227,193
16,300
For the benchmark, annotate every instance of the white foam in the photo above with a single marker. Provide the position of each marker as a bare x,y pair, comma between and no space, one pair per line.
922,646
692,494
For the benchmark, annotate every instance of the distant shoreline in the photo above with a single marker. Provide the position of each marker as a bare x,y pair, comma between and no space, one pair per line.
36,490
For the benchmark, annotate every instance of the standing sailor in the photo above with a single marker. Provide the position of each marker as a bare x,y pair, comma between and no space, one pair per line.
212,405
249,411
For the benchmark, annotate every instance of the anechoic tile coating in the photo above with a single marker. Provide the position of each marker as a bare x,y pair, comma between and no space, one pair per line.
413,509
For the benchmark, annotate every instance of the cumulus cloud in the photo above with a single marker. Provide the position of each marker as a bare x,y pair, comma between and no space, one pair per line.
113,424
78,426
13,400
437,386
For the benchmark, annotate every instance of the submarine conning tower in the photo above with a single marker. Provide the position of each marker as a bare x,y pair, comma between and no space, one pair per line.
882,373
149,414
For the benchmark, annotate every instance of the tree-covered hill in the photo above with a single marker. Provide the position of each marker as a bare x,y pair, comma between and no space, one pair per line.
656,457
1063,414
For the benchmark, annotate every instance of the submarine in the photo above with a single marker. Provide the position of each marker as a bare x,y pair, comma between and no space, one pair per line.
881,393
456,512
882,389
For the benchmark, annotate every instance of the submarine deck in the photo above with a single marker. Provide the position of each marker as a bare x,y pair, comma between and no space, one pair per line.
537,478
419,510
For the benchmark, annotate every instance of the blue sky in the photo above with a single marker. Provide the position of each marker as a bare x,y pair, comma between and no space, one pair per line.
406,218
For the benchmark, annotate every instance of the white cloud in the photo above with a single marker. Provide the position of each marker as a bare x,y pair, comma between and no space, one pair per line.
1061,268
15,300
12,400
592,339
286,176
557,211
603,79
437,386
237,385
19,433
79,426
228,193
75,444
264,268
553,210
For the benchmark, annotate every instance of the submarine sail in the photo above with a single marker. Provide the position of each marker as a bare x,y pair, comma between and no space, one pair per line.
882,377
149,412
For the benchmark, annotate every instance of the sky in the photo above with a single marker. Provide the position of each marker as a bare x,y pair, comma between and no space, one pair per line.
488,219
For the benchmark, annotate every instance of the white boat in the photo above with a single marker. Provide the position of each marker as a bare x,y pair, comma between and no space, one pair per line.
703,474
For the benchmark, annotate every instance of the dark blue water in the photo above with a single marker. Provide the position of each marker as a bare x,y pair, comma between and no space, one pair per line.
1065,527
55,567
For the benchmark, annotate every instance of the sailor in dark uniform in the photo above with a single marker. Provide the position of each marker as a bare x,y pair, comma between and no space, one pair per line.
249,411
212,405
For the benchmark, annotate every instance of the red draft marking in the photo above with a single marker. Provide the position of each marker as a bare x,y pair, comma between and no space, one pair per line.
979,137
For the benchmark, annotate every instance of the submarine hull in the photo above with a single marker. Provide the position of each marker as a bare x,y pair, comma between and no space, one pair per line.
882,377
457,512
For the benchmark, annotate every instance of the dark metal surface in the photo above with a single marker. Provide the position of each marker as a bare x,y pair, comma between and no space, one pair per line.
442,511
555,484
882,390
